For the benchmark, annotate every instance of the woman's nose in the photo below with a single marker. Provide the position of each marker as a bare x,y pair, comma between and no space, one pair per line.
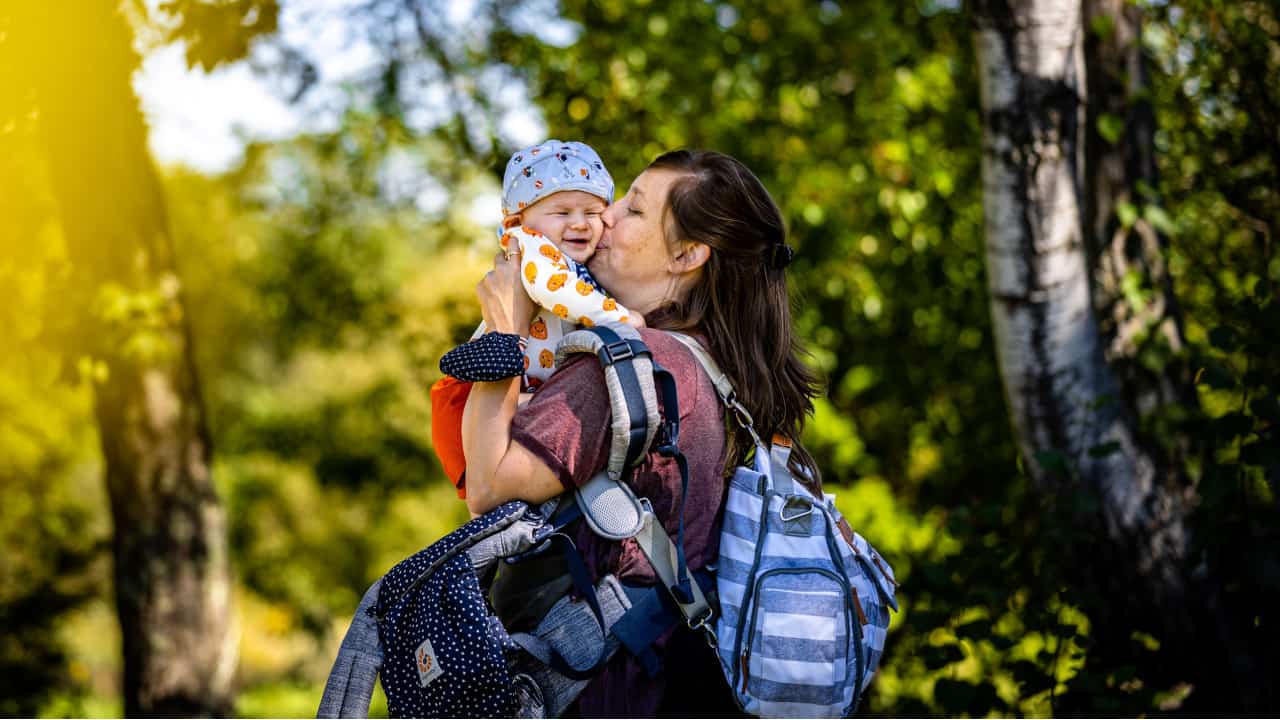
606,216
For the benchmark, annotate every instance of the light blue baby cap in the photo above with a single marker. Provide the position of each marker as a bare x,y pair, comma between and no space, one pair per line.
552,167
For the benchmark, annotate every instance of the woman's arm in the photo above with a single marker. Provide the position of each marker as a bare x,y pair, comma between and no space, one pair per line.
499,470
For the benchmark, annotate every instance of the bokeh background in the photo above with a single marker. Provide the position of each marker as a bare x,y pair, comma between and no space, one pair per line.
236,236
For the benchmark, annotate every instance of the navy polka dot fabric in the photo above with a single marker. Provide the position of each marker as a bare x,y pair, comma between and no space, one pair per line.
444,650
490,357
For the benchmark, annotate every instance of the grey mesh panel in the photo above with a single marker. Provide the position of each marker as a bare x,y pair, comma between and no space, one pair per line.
610,508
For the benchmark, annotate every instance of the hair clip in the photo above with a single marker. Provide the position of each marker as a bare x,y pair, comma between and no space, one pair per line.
779,256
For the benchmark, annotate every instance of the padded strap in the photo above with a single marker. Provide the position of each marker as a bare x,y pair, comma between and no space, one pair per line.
628,373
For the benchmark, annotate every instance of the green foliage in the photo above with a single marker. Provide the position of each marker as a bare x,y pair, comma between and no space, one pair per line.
1218,110
50,529
325,276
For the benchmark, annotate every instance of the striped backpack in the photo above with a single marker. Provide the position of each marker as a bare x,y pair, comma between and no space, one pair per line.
804,600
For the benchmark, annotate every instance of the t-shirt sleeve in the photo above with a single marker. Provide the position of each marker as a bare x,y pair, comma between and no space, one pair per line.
566,423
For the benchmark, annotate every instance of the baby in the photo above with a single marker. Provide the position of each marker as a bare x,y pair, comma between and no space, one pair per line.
552,197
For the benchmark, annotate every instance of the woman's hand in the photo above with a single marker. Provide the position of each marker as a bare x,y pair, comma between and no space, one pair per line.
504,304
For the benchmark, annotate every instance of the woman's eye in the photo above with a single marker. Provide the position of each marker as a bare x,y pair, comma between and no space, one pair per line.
633,211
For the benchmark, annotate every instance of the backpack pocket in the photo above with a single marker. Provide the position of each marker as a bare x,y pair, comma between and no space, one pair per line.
797,647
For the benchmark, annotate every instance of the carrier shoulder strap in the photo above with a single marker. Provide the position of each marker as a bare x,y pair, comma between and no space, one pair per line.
608,505
628,374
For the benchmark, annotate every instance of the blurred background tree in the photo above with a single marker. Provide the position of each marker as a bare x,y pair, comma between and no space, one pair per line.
326,273
120,313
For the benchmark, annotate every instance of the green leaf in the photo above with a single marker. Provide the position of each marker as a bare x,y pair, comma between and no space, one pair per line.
1160,219
1127,212
1110,127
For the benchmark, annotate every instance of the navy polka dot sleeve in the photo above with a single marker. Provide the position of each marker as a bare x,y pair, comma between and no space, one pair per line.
492,356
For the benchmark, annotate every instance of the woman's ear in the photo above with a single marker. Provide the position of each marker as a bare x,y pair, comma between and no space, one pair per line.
693,256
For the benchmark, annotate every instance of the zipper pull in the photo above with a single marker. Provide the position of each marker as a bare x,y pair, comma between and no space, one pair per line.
745,653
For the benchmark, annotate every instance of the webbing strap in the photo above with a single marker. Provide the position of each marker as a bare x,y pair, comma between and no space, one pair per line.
669,447
651,614
722,383
582,583
657,546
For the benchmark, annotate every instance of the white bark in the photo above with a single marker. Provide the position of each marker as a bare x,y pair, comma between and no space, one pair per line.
1061,394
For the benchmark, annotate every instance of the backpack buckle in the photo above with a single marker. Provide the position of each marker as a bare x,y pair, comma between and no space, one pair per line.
799,505
742,417
703,623
617,350
665,442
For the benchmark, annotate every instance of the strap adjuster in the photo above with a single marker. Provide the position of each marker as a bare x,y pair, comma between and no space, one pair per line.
617,350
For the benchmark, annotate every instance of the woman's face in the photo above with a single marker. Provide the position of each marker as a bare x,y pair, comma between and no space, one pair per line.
632,260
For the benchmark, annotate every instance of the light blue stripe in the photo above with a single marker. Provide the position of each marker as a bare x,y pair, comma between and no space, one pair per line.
796,710
741,526
785,648
767,690
827,603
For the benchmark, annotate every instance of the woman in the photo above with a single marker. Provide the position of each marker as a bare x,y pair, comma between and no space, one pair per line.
697,245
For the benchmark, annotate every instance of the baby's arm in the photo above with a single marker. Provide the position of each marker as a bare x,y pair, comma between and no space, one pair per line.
551,279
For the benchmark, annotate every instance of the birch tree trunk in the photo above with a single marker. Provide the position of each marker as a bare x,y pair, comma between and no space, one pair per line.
1074,425
124,308
1063,398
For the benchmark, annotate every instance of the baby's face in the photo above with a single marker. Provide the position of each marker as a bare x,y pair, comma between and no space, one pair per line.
570,219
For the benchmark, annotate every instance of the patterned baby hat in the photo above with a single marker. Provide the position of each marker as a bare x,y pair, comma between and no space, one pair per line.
551,167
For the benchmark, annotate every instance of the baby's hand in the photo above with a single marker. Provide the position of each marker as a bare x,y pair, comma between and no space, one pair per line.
636,320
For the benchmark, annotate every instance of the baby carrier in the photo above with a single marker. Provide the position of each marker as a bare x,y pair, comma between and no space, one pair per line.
803,615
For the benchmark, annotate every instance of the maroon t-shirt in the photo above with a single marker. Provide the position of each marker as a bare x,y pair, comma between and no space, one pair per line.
566,425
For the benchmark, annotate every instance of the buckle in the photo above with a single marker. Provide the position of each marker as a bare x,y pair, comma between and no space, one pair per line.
703,623
742,417
665,441
619,350
792,502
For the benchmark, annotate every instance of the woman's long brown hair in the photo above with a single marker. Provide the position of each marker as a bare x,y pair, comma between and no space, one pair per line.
741,304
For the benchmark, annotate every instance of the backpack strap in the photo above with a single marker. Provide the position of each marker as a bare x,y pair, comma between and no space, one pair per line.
722,383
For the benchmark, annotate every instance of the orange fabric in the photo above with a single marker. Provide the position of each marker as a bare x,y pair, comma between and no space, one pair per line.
448,400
